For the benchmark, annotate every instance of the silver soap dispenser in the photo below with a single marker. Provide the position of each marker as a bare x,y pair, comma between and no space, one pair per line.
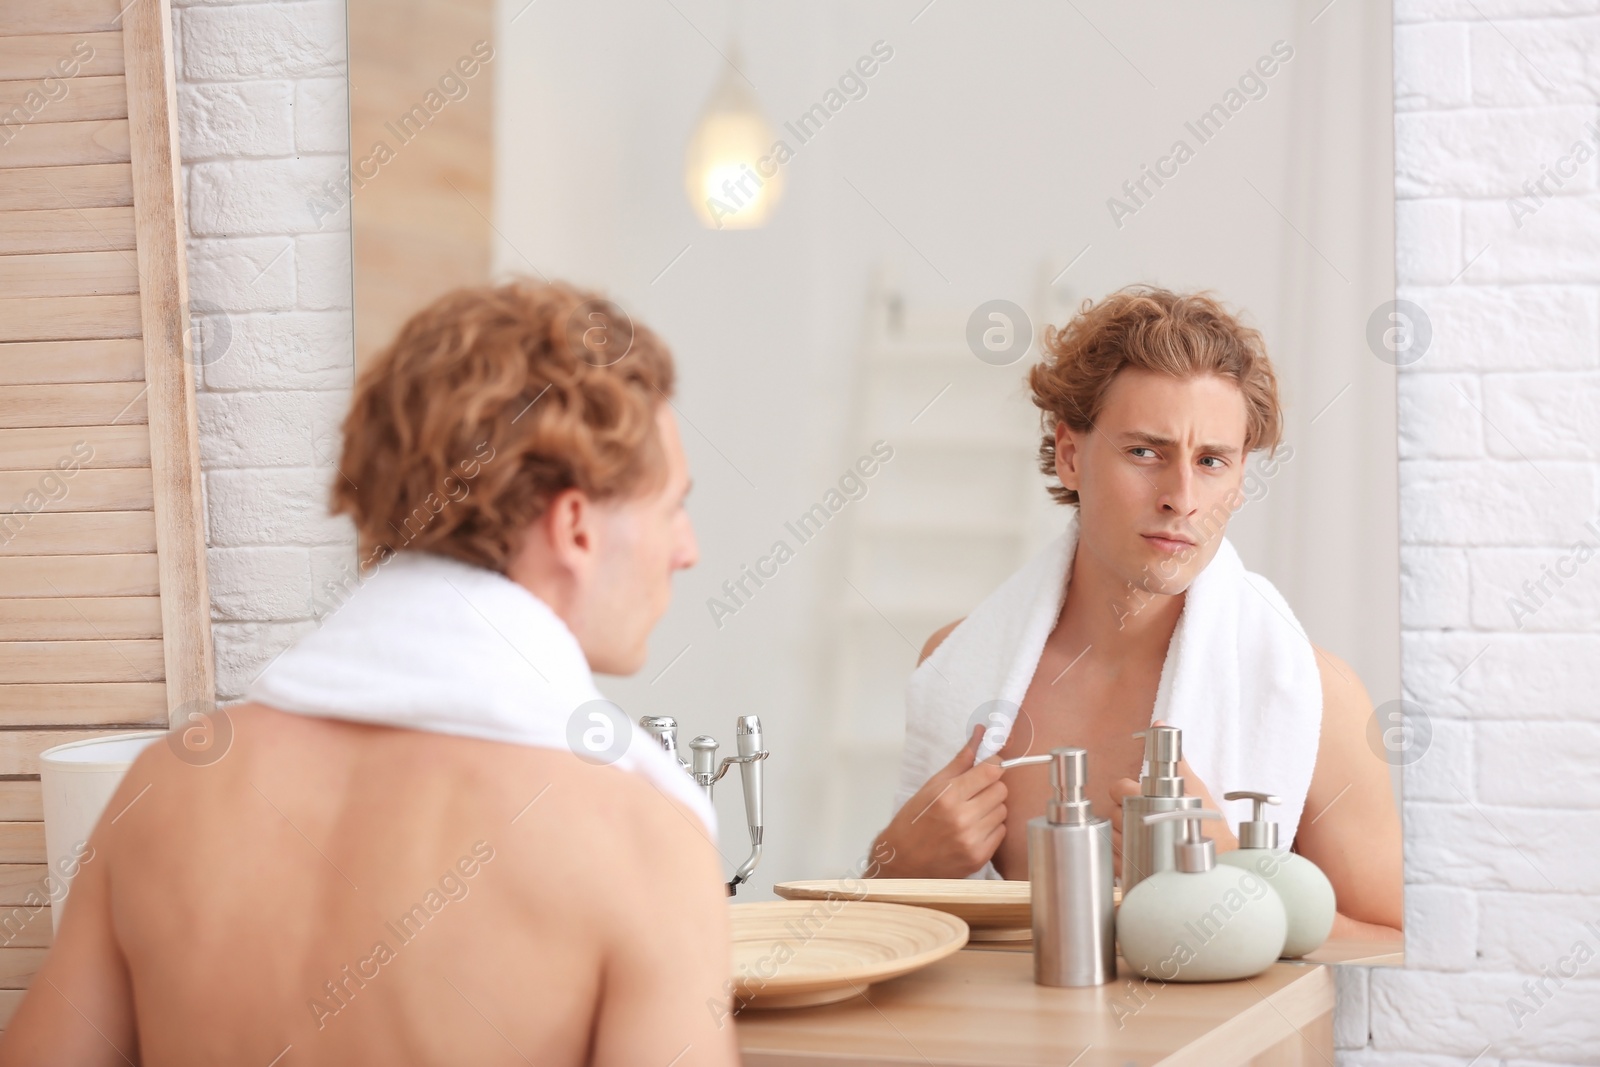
1147,847
1069,868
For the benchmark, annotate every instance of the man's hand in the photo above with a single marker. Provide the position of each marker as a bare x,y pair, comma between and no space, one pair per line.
1122,788
953,824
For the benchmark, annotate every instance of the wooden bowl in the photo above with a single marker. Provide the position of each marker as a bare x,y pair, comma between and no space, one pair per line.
798,953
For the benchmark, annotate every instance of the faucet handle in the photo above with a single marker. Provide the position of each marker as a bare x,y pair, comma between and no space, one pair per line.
751,754
664,728
703,759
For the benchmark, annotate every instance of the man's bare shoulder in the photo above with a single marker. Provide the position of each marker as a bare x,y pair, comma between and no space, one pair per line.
1344,697
938,638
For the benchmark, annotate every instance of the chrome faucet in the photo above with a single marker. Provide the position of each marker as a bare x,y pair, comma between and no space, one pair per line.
703,767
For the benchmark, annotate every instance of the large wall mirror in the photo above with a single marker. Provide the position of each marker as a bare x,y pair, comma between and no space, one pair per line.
936,158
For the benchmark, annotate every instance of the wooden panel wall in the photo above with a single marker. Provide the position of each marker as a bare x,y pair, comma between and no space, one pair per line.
104,612
421,221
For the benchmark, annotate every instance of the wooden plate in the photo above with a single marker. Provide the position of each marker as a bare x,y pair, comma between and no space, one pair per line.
796,953
994,910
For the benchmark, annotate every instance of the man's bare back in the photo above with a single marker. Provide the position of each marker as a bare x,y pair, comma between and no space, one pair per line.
333,893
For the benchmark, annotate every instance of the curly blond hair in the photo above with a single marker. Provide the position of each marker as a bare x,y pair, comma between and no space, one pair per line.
1182,335
489,402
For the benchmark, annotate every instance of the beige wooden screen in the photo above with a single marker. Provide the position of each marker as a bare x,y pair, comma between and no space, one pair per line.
104,616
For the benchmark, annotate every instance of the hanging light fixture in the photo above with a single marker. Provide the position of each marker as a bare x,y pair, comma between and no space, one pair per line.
730,175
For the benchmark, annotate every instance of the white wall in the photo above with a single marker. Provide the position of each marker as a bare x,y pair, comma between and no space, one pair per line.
1501,859
263,125
1500,432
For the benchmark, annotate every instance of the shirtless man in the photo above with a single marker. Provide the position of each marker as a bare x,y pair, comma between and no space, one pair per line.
1163,452
227,910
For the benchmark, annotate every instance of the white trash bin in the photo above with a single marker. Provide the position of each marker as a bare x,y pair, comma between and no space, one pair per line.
78,780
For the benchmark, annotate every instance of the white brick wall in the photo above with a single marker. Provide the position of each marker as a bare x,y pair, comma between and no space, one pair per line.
1500,434
1500,469
263,123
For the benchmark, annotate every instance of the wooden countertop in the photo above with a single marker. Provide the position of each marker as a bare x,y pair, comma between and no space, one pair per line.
981,1007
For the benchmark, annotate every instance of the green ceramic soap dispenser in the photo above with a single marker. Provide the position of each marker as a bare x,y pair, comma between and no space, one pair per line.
1306,893
1200,922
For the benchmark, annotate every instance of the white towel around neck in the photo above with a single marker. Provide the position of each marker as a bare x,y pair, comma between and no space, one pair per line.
1240,679
431,643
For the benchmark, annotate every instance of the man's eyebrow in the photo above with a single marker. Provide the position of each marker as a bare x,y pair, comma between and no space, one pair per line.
1157,441
1139,437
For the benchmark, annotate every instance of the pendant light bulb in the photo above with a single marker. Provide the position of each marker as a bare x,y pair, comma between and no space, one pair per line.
730,147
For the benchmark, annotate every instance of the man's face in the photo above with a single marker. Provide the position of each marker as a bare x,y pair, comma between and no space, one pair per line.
1157,477
641,541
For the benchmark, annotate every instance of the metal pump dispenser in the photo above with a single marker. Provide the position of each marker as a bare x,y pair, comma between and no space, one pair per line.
1148,847
706,772
1256,831
1194,853
1069,869
1203,919
1307,895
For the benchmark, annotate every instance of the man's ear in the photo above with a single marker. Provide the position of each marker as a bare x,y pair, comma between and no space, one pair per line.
1067,457
568,525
